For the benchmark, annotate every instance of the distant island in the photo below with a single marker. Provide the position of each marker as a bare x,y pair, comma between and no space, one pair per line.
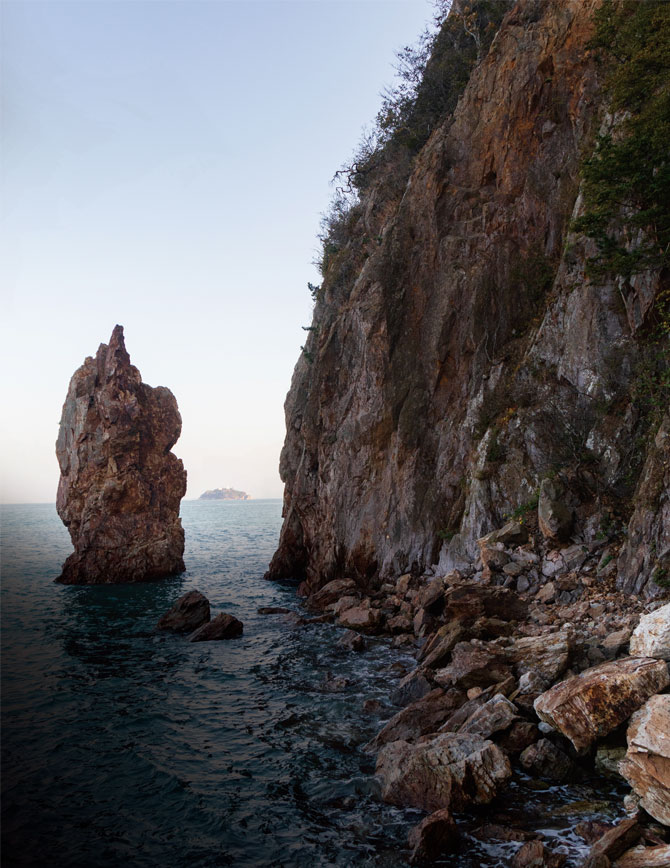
225,494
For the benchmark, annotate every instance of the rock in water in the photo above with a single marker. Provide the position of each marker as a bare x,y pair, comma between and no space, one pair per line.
189,612
224,626
449,771
120,486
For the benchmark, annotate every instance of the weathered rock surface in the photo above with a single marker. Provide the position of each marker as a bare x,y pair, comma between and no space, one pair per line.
651,637
546,760
223,626
646,766
553,516
428,308
496,715
421,717
645,857
120,486
533,854
189,612
472,666
435,836
450,771
595,702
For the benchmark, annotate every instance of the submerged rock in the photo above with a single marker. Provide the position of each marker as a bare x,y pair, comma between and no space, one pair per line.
450,771
120,486
222,627
598,700
646,766
189,612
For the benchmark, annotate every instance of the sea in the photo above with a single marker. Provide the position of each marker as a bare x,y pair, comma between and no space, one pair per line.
126,746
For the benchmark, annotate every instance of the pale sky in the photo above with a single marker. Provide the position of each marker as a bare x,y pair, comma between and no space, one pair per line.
164,166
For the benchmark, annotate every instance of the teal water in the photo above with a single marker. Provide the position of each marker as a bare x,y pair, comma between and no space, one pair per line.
123,746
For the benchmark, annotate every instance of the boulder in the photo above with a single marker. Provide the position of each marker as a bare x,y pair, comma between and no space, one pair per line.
466,602
473,666
553,516
645,857
431,597
120,485
458,717
651,637
222,627
596,701
543,759
533,854
520,735
433,837
450,771
331,593
496,715
189,612
438,648
646,766
352,640
616,840
363,619
413,686
547,655
421,717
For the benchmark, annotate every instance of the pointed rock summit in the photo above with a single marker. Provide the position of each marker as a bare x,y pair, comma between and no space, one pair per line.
120,486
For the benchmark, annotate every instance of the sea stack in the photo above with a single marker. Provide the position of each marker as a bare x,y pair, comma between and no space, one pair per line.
120,486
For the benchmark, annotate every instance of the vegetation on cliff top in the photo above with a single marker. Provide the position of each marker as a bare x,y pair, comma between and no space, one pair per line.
431,76
627,178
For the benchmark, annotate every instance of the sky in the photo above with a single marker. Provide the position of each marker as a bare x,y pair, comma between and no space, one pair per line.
164,166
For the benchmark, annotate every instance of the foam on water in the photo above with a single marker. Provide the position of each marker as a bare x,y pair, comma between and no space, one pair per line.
125,746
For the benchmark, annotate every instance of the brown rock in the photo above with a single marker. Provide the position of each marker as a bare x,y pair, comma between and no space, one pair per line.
466,603
472,666
521,735
352,641
553,516
545,760
120,486
421,717
617,840
438,648
646,857
547,655
646,766
597,700
431,597
433,837
496,715
449,771
189,612
534,854
223,626
413,686
455,720
363,619
331,593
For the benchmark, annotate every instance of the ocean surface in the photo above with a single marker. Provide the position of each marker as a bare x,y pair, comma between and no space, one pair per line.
124,746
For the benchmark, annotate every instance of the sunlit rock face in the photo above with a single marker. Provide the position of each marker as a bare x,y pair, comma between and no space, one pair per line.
459,352
120,486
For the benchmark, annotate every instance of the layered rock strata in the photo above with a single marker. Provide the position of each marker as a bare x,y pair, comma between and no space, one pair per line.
464,362
120,485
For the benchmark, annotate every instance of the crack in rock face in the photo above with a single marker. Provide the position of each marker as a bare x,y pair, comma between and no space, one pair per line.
120,486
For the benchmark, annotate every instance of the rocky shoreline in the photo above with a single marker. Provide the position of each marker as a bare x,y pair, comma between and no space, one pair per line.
529,660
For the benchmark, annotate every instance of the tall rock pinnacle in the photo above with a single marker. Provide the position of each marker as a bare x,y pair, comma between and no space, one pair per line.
120,486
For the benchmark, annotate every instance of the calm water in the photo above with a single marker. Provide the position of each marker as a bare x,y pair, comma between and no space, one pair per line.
124,746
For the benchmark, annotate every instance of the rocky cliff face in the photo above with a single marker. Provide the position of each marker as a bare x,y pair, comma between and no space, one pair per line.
120,486
465,357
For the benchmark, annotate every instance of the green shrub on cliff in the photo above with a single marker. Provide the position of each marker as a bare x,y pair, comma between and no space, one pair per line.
627,178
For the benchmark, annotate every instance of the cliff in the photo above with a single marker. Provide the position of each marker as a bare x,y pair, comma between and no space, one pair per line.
120,486
462,351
